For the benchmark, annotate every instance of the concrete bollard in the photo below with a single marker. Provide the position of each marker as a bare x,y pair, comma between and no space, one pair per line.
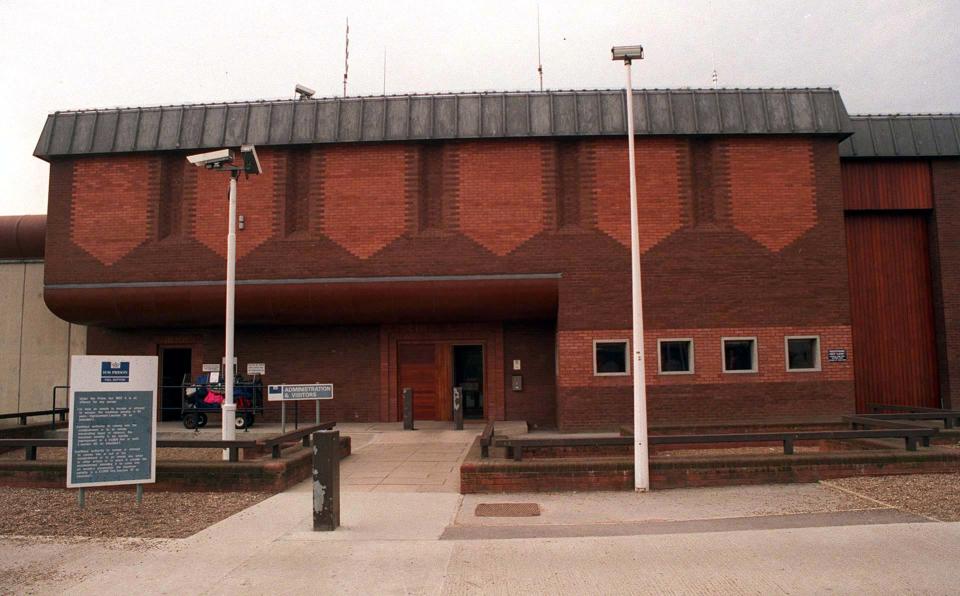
326,480
408,408
458,408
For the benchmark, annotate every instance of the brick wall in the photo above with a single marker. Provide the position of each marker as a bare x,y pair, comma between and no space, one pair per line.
708,394
111,205
348,357
533,345
738,234
501,193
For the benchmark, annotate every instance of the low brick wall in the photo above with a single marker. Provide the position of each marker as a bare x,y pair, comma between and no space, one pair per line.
497,475
260,475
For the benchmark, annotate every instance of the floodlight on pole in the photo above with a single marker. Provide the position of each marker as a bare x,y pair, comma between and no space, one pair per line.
641,449
222,160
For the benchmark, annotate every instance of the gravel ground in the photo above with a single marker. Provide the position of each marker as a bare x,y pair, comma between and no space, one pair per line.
115,514
931,495
163,453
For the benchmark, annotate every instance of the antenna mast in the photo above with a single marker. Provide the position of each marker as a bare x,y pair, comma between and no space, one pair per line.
346,58
539,61
384,71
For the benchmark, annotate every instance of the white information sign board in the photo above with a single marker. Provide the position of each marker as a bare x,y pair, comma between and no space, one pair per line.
112,435
299,392
256,368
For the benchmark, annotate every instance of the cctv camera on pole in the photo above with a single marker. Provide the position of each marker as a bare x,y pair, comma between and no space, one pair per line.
222,160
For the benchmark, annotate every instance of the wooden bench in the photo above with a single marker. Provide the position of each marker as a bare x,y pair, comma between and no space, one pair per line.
486,439
30,446
911,434
516,446
950,418
275,444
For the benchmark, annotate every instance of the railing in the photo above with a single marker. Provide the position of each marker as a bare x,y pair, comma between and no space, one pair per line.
24,415
911,434
53,407
249,393
30,445
950,418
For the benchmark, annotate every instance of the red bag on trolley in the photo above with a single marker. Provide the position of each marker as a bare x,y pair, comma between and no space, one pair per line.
213,398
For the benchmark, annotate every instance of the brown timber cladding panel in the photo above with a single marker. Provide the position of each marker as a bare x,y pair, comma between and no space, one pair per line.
418,370
891,306
888,184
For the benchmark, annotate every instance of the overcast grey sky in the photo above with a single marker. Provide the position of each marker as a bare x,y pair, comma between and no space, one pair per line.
884,56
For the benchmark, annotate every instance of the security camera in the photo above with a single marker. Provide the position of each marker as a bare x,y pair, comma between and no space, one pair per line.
627,53
304,92
211,159
251,163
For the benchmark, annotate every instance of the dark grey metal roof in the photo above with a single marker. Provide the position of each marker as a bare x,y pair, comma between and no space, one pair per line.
909,135
443,116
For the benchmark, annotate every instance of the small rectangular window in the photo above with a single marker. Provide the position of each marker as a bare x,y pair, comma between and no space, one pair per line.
739,354
803,353
676,356
610,357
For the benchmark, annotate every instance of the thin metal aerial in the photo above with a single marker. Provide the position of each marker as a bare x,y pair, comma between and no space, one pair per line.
715,77
384,71
346,58
539,61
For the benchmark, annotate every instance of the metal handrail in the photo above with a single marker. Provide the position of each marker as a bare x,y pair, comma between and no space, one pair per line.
53,407
24,415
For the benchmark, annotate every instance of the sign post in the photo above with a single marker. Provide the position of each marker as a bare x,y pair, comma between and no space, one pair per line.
112,435
285,393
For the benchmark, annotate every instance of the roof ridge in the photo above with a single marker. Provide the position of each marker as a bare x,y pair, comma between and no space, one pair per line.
201,104
906,115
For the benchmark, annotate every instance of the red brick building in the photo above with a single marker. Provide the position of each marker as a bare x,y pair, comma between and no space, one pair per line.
433,241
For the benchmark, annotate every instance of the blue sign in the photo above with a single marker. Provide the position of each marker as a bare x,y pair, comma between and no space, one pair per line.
298,392
115,372
112,437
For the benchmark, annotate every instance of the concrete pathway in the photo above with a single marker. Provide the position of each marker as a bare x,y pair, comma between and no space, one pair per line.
386,458
787,539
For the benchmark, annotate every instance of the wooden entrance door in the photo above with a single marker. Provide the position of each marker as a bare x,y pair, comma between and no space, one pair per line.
891,306
418,369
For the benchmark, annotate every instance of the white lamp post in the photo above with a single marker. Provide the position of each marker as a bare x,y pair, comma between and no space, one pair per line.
641,450
222,160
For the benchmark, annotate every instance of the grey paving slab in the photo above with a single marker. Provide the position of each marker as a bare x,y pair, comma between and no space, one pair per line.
667,505
884,559
690,526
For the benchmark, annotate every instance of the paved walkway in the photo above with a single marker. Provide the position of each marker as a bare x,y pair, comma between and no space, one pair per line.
386,458
787,539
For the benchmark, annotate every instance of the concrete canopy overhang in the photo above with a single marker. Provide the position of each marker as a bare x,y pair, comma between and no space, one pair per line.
317,301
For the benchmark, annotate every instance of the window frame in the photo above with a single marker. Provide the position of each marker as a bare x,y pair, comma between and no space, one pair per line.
626,343
755,357
691,355
786,354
